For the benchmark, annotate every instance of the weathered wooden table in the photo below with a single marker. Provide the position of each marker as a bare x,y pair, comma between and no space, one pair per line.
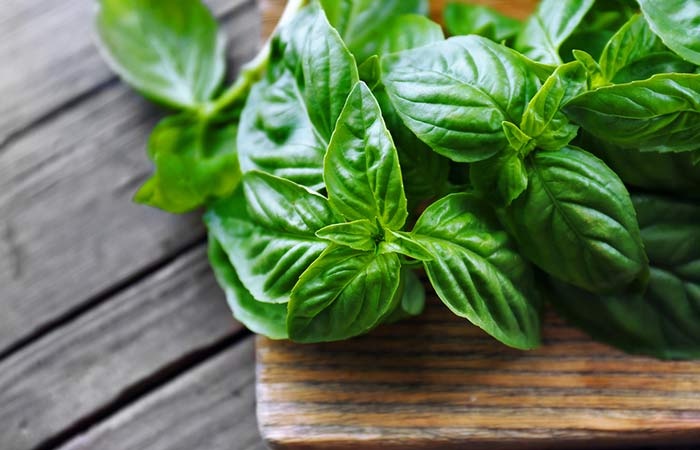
113,334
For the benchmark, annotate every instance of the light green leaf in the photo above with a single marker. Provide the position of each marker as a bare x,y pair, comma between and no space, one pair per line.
542,119
662,322
596,78
576,222
477,272
363,23
464,19
500,179
195,163
290,116
632,42
520,143
343,294
361,169
359,235
263,318
404,244
677,22
660,114
407,32
547,29
270,234
454,95
173,55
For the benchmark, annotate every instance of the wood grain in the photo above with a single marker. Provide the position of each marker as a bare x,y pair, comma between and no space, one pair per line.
69,232
99,358
208,408
53,57
437,382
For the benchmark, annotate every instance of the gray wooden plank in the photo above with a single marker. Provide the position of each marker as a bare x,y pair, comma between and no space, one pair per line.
95,360
209,408
49,56
68,229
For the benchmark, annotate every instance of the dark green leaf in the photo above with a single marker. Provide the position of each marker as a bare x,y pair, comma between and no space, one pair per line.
361,170
500,179
195,163
171,54
476,270
264,318
542,119
663,322
455,95
576,222
677,22
343,294
412,298
363,23
270,234
547,29
652,64
633,41
659,114
359,235
464,19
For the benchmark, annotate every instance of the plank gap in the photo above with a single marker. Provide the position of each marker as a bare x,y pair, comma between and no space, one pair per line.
138,391
101,297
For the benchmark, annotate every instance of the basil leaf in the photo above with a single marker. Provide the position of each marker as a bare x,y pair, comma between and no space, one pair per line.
500,179
361,169
596,78
547,29
363,23
662,322
672,173
195,162
359,235
660,114
652,64
464,19
576,222
677,22
454,95
632,42
343,294
476,270
542,119
407,32
270,234
404,244
290,116
412,298
172,55
262,318
426,170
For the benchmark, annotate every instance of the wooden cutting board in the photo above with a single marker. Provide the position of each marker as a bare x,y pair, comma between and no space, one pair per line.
437,382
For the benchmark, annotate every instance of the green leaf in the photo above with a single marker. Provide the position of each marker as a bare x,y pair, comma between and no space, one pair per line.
343,294
454,95
520,142
542,119
195,163
262,318
412,298
363,23
671,173
476,270
660,114
652,64
173,55
547,29
288,120
359,235
404,244
500,179
407,32
632,42
361,169
596,78
662,322
576,222
464,19
677,22
270,234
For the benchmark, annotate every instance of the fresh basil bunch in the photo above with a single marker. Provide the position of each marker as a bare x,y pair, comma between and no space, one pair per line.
361,145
